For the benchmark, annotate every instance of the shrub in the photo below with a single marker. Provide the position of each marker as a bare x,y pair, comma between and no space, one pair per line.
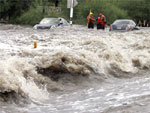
110,11
31,17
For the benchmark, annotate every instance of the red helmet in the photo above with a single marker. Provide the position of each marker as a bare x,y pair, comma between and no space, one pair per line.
100,14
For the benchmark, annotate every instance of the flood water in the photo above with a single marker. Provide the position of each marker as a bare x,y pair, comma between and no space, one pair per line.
74,70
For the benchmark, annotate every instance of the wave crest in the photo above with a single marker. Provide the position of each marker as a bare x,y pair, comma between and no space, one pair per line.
64,63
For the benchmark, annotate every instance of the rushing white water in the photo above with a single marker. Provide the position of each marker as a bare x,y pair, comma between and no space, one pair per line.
74,70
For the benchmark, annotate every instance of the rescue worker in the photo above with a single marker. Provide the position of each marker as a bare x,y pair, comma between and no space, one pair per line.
90,20
101,21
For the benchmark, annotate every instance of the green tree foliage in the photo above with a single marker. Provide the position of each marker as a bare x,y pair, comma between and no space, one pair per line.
31,11
136,9
10,9
31,17
110,10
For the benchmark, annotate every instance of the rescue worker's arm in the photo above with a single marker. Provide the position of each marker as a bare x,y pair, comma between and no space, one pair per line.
93,19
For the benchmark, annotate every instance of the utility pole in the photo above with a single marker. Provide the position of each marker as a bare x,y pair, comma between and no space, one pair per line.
71,4
71,12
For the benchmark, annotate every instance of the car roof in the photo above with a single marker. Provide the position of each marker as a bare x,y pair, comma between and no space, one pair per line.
125,20
121,20
53,18
64,21
50,18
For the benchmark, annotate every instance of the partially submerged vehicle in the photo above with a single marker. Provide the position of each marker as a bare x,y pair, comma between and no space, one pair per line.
123,25
3,22
48,23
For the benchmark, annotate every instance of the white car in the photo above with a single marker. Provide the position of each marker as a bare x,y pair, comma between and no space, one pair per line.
123,25
48,23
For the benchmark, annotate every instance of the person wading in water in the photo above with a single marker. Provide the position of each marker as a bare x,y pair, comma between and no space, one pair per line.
90,20
101,21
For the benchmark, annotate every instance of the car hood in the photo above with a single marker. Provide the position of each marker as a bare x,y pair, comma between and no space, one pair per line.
43,26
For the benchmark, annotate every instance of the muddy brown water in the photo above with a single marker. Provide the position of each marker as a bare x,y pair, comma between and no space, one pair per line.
74,70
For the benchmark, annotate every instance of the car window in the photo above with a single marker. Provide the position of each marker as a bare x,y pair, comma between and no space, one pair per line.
132,23
52,21
121,22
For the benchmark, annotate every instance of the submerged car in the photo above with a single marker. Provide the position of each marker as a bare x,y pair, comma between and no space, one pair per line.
48,23
123,25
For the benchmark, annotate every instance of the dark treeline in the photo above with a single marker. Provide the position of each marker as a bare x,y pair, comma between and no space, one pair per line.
25,11
13,8
31,11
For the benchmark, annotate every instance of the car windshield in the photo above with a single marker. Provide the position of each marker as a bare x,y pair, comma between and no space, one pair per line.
52,21
121,22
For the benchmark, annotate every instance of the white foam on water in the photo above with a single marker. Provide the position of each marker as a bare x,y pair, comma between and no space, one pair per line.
77,51
16,76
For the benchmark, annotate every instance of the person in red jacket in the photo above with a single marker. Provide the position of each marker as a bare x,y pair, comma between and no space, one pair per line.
90,20
101,21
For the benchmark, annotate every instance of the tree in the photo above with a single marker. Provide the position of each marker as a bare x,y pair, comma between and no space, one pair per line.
136,9
12,8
